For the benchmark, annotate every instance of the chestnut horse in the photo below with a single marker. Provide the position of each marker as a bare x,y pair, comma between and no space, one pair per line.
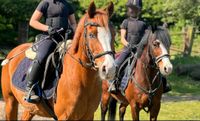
88,61
144,90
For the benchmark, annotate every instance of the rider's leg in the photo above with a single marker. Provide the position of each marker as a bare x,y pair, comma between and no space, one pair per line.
35,70
166,86
125,52
31,78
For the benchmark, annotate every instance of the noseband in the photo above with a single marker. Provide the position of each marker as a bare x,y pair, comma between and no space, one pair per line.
88,51
159,58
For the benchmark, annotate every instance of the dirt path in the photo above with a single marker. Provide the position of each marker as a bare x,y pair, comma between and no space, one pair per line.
2,115
165,98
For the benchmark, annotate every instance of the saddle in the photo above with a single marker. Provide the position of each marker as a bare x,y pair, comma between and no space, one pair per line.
47,83
31,52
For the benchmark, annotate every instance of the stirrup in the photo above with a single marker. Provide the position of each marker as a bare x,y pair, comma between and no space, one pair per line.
28,95
122,91
112,87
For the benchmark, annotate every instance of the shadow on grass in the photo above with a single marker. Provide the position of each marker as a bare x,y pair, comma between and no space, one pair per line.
184,85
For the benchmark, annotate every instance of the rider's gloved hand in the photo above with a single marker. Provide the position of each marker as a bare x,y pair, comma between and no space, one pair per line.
52,31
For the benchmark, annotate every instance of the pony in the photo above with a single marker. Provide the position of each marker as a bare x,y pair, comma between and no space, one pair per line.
144,89
88,61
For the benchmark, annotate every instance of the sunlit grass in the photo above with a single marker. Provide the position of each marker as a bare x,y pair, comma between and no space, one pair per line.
181,110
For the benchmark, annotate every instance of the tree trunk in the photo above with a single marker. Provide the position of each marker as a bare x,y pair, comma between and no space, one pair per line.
188,40
23,28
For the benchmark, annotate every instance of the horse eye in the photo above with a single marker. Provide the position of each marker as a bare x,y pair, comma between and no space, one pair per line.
156,44
92,35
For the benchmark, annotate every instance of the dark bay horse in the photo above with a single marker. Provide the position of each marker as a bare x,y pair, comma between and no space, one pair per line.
88,61
144,90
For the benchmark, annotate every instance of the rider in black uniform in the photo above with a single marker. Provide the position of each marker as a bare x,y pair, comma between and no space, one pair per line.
57,14
132,31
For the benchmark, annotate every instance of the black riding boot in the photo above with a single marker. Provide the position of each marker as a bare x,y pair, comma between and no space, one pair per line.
166,86
31,78
113,83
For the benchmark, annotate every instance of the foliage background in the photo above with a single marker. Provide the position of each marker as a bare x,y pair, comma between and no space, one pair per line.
175,12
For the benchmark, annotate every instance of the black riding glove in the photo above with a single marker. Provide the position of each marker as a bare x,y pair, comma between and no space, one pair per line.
52,31
133,48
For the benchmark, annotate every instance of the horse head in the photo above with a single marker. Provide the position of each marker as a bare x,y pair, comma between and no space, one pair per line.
93,36
159,45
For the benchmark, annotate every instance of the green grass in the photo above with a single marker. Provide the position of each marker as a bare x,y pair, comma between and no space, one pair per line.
184,85
181,110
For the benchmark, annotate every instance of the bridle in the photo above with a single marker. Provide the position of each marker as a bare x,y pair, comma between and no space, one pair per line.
160,57
87,50
151,92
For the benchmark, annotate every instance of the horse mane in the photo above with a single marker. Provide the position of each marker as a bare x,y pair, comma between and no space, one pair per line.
77,35
163,35
80,27
160,33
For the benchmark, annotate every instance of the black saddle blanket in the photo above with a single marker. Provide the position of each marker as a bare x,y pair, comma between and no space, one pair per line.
19,81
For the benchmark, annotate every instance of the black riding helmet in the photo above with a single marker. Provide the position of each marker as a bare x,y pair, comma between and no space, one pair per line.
134,4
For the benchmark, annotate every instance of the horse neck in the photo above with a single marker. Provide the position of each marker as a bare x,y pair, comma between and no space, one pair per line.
72,63
144,67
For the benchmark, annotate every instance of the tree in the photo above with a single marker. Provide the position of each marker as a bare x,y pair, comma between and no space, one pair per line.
17,13
182,12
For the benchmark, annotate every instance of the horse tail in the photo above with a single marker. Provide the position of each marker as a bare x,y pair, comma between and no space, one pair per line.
112,109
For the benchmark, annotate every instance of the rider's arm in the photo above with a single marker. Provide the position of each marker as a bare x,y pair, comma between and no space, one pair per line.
72,21
123,37
35,21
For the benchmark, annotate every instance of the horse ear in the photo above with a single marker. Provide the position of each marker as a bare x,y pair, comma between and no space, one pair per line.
92,9
110,9
154,27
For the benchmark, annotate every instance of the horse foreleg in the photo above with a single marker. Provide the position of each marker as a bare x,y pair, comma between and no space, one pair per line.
135,111
122,110
104,109
27,115
104,100
154,111
11,108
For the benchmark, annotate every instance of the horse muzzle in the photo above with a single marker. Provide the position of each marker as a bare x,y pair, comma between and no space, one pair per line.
166,67
107,69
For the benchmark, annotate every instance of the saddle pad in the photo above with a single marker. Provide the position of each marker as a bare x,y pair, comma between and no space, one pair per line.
125,74
125,77
19,82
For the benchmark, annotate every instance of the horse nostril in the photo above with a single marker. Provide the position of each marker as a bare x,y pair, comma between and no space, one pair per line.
165,69
104,68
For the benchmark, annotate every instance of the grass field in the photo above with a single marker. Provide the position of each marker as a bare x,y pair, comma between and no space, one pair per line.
180,110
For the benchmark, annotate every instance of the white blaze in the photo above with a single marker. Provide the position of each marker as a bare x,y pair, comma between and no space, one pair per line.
104,37
167,66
